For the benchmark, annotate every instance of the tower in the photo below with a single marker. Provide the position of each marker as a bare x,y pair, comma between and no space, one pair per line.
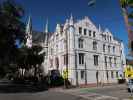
29,33
46,34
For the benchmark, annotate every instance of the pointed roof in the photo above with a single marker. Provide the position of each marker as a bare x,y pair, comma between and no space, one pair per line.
71,21
29,26
46,27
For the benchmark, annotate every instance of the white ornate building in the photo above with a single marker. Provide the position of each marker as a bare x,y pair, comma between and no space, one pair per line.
90,54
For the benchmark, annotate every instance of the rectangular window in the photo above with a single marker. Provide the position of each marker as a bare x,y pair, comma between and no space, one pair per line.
110,38
110,61
94,34
85,31
94,45
81,42
113,49
82,74
96,60
112,74
109,48
80,30
117,75
65,59
81,58
89,32
105,58
115,62
103,47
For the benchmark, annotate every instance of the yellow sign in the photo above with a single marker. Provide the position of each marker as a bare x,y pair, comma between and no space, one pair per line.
129,71
65,74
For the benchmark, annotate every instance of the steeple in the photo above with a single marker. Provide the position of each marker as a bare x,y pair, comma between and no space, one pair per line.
46,33
29,26
71,22
58,28
66,24
46,27
99,28
29,33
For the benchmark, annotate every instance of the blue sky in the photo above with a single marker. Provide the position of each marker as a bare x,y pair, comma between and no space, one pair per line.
107,13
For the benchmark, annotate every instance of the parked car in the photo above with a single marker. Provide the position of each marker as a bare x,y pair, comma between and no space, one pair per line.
130,85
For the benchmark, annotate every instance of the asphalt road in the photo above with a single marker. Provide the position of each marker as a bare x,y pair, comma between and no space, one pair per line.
47,95
115,92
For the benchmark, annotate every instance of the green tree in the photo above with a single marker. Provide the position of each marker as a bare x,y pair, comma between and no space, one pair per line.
11,29
127,7
29,58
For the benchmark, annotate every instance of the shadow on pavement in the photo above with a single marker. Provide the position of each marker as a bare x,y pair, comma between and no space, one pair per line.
9,87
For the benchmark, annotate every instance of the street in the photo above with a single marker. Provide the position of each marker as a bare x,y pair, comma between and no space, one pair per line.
46,95
115,92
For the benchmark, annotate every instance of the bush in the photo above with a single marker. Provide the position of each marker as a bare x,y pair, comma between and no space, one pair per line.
56,81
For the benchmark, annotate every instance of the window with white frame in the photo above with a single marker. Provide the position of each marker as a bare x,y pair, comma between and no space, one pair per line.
80,30
85,31
113,49
110,61
94,45
95,60
103,47
82,73
80,43
81,58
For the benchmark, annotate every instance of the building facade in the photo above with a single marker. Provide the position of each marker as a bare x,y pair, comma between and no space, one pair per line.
89,54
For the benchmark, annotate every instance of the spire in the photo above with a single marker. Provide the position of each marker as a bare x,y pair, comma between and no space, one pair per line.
99,28
66,24
46,27
29,26
58,28
71,22
29,33
71,18
46,33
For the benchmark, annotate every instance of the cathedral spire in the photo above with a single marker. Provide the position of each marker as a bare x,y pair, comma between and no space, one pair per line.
46,27
29,33
71,22
99,28
46,33
29,26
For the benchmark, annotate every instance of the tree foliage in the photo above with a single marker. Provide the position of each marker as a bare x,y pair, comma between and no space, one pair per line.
11,29
127,8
